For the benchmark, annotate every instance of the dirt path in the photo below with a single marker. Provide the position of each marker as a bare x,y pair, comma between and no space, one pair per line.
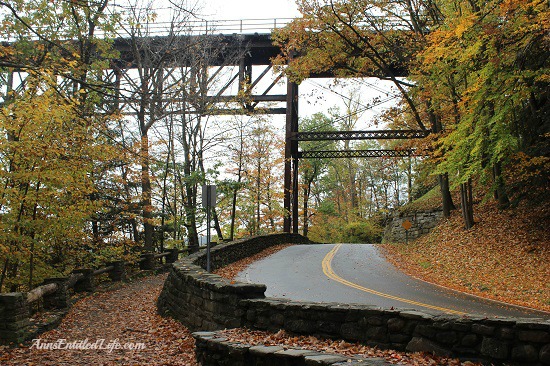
122,317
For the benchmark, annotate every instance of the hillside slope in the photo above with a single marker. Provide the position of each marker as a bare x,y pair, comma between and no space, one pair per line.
505,256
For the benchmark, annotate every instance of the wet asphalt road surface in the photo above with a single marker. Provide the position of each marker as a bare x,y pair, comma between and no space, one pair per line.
359,273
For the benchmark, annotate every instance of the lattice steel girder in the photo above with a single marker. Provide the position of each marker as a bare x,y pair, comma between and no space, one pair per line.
335,154
360,135
223,111
251,98
259,47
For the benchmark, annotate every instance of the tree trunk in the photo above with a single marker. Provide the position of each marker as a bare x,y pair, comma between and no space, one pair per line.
39,292
409,180
164,185
147,207
466,198
236,190
447,200
190,218
217,224
500,190
306,219
258,188
4,271
233,215
190,187
442,179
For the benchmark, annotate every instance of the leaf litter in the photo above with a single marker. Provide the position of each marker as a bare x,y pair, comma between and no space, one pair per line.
505,256
127,314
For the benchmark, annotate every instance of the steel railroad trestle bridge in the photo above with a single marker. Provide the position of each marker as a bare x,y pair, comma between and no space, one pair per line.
238,53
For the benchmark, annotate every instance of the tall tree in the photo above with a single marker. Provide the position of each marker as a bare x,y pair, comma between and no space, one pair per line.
485,73
364,38
263,164
52,140
312,169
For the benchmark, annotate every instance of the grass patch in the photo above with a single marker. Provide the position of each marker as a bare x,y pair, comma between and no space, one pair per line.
429,201
424,264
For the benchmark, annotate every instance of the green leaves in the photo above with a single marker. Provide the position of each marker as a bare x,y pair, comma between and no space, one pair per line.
52,140
478,76
47,156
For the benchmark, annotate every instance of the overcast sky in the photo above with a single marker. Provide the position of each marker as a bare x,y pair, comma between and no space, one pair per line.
249,9
315,95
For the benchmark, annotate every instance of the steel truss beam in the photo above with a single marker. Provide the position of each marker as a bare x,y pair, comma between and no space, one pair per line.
360,135
222,112
244,111
243,51
336,154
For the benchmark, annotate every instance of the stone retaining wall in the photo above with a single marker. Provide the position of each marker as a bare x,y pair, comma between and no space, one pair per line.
14,317
525,341
212,349
422,223
205,301
15,310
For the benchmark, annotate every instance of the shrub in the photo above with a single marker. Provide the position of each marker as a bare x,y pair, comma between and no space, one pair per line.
362,232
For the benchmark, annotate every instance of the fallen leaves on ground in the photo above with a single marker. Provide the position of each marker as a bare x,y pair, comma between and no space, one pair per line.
232,270
340,347
505,256
125,315
286,340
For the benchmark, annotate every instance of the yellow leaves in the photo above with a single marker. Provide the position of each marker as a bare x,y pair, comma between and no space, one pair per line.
6,51
498,254
461,28
46,157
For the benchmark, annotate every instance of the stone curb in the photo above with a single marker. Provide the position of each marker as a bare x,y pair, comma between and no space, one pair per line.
213,349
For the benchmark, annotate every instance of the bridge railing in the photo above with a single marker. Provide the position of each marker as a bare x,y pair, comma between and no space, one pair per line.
246,26
206,27
189,27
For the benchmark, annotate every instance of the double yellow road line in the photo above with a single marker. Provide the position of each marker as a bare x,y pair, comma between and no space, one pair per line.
329,272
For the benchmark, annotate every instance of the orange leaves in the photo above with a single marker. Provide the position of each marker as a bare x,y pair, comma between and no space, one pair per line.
231,271
287,340
127,314
506,256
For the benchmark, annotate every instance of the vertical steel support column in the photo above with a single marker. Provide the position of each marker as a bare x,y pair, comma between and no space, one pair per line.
288,159
295,190
245,71
291,159
245,79
294,153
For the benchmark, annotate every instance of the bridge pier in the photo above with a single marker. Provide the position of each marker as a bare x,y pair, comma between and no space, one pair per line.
291,160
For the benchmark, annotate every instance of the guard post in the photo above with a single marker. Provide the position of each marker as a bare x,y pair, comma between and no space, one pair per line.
208,201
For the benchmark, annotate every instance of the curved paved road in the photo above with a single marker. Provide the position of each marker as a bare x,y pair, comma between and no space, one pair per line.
359,273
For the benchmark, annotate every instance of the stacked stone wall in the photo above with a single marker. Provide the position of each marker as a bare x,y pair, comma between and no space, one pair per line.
204,301
523,341
422,223
15,309
14,317
207,302
213,350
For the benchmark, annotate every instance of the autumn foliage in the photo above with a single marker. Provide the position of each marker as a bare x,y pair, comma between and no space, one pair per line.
477,77
494,259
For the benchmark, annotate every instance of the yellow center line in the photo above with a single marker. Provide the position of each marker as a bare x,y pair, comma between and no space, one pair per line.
329,272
